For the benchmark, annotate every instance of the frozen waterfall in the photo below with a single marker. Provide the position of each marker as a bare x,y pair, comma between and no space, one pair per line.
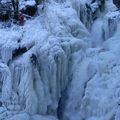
62,64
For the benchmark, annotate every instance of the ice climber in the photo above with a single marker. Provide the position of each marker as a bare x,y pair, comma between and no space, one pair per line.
21,19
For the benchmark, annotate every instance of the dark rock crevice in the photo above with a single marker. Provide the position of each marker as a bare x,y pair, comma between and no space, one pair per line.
61,104
117,3
19,51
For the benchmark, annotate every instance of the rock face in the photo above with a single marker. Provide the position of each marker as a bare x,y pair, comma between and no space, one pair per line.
117,3
30,8
4,12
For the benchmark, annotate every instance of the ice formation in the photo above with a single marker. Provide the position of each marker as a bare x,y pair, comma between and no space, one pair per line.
62,64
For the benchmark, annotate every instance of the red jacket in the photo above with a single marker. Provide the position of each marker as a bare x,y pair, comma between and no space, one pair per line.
21,19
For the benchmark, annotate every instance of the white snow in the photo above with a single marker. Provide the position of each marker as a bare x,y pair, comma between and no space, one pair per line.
30,3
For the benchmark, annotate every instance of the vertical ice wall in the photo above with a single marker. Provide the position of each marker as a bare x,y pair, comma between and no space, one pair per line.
35,84
93,93
88,10
111,22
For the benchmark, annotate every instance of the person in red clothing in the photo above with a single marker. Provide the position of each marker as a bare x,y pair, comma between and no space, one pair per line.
21,19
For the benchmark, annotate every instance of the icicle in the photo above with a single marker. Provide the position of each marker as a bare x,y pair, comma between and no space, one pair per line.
5,78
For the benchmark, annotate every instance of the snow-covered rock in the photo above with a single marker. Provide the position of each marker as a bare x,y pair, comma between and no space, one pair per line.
28,7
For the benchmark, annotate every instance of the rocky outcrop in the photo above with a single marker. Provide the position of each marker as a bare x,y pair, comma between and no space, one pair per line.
4,12
30,8
117,3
